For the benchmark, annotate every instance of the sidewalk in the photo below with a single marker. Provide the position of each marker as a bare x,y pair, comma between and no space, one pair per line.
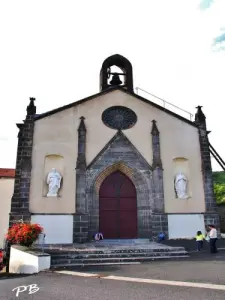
190,245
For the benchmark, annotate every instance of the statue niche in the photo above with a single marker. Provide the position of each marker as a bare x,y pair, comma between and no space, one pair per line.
54,183
180,185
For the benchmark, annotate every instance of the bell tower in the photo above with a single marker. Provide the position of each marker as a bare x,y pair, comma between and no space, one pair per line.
109,78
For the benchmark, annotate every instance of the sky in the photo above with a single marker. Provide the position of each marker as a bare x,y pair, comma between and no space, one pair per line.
53,51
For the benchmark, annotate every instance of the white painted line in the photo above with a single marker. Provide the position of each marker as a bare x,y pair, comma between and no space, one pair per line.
77,273
167,282
150,281
98,264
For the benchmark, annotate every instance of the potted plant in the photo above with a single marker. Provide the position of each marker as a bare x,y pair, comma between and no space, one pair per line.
1,261
23,234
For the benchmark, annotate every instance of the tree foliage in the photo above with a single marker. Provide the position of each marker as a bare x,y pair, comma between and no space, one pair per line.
219,187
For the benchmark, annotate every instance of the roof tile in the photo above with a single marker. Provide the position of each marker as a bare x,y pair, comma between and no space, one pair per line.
9,173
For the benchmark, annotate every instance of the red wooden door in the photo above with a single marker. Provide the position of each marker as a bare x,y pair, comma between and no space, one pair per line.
118,207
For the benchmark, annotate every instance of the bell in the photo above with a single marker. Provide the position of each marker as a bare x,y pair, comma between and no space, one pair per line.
115,80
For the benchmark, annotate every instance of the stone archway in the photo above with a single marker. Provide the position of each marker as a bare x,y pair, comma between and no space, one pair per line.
144,189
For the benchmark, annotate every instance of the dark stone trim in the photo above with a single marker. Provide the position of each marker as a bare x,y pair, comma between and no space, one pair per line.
49,113
15,217
80,191
113,139
157,172
81,156
20,198
157,175
207,174
81,169
80,228
160,224
156,146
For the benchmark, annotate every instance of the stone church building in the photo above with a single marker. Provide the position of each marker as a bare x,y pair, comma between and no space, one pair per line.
114,163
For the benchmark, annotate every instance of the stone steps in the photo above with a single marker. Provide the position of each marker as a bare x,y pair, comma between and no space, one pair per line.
64,251
109,256
110,261
60,256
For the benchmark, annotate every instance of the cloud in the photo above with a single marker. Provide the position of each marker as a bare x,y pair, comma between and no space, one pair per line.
219,39
205,4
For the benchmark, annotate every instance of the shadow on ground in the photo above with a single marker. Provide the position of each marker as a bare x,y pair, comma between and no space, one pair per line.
6,275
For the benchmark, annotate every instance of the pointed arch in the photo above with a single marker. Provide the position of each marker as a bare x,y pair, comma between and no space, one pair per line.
119,166
144,188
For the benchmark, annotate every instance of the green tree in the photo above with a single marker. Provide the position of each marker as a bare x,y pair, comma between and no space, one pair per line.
219,190
219,187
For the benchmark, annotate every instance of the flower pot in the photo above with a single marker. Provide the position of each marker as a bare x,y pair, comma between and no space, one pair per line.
26,244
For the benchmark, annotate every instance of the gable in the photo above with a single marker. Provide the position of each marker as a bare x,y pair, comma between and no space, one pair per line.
119,149
74,104
60,128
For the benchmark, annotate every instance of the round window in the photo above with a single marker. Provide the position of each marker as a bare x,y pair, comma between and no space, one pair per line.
119,117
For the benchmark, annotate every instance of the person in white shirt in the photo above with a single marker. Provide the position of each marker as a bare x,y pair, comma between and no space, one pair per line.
213,238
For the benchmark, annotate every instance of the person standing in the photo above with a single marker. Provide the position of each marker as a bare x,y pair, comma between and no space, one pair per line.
213,238
199,240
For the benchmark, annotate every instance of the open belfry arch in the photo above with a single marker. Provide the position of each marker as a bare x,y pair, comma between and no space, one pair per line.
114,162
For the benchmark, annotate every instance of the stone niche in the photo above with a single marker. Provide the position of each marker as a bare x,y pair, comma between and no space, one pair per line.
52,161
181,164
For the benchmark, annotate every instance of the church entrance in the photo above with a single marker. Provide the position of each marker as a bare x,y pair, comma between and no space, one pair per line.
118,207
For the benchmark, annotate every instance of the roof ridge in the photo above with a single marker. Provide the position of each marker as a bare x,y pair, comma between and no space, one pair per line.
59,109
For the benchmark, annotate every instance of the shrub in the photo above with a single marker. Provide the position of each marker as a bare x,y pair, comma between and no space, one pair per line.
1,261
23,234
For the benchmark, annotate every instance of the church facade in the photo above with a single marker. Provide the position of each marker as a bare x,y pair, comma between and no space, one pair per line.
114,163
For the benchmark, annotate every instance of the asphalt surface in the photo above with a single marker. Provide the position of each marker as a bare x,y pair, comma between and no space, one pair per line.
199,268
58,287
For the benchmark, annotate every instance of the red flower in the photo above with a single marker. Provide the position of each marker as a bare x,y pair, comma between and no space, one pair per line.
21,233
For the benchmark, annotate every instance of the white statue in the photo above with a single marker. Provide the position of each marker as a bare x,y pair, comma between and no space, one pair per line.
53,181
181,186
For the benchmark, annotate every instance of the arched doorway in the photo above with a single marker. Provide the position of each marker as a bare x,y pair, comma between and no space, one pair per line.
118,207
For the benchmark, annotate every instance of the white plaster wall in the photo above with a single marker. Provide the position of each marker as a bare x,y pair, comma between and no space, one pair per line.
26,263
6,191
22,262
57,134
57,228
44,262
185,226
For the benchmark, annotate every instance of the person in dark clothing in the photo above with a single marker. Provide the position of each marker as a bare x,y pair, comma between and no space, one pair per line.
213,238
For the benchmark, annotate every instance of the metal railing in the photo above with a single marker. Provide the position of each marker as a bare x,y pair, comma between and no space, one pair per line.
217,157
165,104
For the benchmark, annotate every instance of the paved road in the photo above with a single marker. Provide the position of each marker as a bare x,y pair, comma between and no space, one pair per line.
201,268
58,287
